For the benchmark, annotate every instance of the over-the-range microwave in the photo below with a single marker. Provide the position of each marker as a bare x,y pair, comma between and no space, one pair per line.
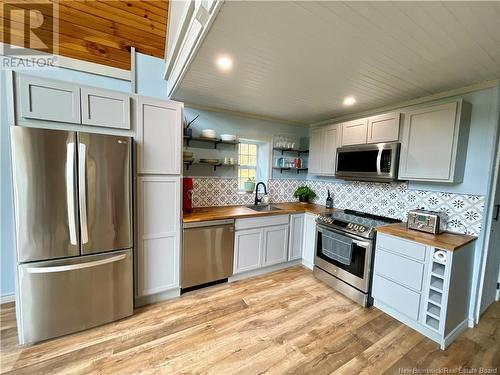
373,162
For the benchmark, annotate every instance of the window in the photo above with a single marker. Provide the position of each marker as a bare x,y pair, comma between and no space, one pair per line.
247,159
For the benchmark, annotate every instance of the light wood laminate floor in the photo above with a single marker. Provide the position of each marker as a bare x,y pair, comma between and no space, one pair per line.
283,322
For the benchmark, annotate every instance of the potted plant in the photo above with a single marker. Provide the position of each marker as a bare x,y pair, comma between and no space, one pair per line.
249,185
304,194
188,132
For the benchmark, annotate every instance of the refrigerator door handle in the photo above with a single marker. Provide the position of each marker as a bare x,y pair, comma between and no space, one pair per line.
70,191
78,266
82,185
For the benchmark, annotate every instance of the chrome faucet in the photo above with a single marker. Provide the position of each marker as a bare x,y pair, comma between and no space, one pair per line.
257,199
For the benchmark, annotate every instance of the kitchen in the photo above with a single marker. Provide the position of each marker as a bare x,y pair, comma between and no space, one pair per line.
356,272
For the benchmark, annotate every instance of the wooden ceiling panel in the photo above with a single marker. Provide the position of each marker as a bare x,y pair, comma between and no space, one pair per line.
101,31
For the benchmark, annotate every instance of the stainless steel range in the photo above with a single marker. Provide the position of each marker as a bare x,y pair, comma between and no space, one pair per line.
344,250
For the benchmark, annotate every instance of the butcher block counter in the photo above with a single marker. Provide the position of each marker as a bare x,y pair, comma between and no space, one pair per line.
446,241
238,212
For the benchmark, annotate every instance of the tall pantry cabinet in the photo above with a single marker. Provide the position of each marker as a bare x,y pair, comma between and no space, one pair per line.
158,198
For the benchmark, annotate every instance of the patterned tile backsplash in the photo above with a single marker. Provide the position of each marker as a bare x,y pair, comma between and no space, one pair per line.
465,212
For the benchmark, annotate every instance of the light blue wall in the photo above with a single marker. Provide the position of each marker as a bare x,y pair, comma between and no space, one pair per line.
149,77
6,211
244,128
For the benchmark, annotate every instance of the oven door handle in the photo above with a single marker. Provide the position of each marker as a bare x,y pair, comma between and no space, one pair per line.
361,243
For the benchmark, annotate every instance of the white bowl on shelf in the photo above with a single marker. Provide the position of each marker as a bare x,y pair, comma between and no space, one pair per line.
208,133
228,137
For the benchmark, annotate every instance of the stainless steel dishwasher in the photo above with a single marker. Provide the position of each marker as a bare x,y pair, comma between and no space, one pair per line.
207,252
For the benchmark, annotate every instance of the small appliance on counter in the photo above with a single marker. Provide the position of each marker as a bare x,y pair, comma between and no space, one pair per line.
427,221
329,200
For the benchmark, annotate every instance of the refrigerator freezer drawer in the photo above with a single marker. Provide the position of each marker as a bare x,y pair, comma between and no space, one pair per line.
70,295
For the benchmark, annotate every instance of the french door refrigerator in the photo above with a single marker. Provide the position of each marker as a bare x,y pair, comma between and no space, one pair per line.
73,216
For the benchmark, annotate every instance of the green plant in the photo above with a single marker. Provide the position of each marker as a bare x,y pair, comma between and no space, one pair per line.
187,123
251,179
304,194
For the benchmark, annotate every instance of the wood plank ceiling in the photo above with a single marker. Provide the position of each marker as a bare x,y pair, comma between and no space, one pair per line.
99,31
299,60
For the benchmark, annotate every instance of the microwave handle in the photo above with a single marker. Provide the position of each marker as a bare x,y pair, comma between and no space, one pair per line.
379,161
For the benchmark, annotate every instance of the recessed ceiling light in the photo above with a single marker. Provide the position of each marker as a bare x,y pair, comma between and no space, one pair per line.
349,100
225,63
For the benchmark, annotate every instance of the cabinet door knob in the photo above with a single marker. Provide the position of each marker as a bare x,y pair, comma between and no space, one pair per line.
497,206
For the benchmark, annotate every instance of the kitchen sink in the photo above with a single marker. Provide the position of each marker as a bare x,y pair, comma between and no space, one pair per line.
267,207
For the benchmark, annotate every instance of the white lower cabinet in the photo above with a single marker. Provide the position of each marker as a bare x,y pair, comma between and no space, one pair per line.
248,245
158,234
428,293
275,245
308,250
260,242
296,241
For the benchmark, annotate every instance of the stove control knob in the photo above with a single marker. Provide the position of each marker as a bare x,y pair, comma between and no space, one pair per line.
329,220
361,228
349,225
355,227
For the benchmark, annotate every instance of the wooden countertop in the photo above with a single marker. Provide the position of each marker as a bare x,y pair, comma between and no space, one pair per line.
446,241
238,212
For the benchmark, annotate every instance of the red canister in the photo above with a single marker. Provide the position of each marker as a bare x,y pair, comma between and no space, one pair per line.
187,194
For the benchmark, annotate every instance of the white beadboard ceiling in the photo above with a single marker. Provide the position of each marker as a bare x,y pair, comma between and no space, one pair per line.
298,60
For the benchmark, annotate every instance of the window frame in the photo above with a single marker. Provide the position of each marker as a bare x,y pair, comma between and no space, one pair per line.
247,166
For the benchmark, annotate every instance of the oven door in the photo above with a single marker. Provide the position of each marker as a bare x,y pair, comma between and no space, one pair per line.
375,162
344,256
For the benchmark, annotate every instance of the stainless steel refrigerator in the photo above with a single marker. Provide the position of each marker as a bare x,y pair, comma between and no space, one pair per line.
73,216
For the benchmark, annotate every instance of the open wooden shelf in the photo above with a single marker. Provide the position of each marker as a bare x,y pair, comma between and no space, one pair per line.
187,164
290,169
297,151
215,141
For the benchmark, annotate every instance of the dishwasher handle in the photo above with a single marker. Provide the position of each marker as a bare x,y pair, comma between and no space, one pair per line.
209,223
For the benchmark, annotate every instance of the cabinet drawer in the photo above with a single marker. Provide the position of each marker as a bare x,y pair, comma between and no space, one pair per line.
406,248
396,296
403,270
261,222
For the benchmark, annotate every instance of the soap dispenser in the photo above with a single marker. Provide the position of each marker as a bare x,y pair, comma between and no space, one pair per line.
329,200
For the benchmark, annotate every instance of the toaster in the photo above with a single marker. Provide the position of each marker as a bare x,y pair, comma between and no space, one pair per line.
427,221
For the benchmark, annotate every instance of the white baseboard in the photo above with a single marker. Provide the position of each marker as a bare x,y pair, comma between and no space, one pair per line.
454,334
158,297
307,264
7,298
262,271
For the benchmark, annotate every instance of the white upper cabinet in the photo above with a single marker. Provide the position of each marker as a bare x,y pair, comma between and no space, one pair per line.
44,102
329,154
316,141
383,128
323,145
159,136
375,129
105,108
434,143
50,100
354,132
